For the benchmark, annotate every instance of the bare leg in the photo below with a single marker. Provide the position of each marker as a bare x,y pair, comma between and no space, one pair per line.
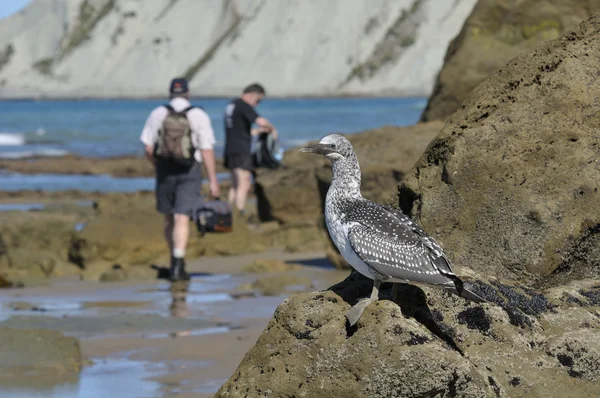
244,183
233,190
169,224
181,231
354,314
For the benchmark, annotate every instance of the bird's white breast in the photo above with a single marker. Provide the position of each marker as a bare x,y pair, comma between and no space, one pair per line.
338,230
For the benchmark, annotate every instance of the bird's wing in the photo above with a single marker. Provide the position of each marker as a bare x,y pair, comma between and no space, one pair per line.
427,240
394,247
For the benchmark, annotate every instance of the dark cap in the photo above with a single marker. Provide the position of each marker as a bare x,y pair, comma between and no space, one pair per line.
179,85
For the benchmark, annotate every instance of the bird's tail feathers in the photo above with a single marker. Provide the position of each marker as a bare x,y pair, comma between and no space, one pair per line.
458,287
470,295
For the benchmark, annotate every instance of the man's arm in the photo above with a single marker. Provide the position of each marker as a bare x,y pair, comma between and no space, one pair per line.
259,130
205,140
149,150
210,165
150,133
264,126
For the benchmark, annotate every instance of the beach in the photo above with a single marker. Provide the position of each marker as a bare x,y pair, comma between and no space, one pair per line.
182,341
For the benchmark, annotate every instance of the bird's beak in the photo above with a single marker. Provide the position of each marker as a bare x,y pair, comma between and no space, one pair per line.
319,149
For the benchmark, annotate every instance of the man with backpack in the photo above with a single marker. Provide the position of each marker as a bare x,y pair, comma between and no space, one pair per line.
239,117
178,139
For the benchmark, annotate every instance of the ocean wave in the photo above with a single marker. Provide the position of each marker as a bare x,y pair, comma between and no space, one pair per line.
34,153
11,139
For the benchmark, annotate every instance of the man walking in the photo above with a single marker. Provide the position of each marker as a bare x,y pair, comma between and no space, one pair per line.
240,115
178,138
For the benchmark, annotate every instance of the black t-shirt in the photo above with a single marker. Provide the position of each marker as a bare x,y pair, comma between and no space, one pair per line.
239,117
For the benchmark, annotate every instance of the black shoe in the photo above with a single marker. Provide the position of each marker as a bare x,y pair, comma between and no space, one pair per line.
177,270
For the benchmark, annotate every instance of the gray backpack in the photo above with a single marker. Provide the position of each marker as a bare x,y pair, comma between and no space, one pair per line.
175,138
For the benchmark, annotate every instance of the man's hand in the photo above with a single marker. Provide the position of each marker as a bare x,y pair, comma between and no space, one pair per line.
215,189
149,151
275,134
208,158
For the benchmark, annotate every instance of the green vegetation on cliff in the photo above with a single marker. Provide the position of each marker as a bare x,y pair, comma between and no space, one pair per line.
400,35
87,20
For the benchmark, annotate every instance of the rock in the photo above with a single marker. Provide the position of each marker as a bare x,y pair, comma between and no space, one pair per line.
511,181
495,32
35,244
117,228
125,166
262,265
127,230
37,353
428,343
288,195
4,283
107,272
278,284
579,352
118,166
115,274
297,191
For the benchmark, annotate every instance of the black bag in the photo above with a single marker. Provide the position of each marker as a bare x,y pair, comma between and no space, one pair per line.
213,216
267,153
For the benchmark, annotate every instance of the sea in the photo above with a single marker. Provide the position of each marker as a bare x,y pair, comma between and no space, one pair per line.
108,128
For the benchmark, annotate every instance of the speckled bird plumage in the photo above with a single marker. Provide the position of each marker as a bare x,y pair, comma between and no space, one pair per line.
379,242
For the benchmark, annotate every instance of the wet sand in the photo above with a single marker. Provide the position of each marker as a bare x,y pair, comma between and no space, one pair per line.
154,339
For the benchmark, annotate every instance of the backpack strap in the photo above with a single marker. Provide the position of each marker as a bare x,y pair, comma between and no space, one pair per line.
185,111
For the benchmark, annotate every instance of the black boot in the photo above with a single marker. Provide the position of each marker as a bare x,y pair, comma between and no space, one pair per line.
177,270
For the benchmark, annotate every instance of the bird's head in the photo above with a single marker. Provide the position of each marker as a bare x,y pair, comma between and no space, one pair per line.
333,147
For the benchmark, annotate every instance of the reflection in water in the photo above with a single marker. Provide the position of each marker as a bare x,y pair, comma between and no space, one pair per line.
179,307
179,291
107,377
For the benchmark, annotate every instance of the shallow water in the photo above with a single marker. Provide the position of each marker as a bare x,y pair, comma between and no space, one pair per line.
150,314
42,206
86,183
109,311
107,377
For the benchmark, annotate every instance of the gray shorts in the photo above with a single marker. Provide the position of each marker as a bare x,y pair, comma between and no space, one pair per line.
179,192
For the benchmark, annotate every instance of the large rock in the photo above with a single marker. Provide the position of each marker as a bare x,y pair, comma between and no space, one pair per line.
35,244
495,32
510,185
429,343
37,353
129,232
297,191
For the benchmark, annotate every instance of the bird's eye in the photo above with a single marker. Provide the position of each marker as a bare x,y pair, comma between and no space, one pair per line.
331,145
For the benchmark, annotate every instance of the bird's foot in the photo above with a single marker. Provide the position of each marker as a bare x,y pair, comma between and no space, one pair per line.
354,313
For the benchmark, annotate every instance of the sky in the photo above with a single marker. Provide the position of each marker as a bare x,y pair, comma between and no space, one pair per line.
9,7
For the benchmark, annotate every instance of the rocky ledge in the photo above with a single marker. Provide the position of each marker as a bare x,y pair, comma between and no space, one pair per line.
428,343
509,188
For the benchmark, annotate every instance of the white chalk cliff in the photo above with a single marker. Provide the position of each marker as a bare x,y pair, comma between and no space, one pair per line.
131,48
